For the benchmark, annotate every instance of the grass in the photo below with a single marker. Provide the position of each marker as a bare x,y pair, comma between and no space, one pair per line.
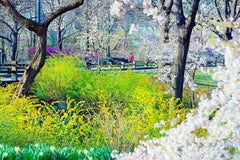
204,79
201,79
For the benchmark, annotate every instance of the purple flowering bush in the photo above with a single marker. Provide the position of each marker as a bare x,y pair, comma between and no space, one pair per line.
51,51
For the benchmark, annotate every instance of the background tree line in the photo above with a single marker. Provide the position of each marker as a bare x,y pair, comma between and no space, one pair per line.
92,28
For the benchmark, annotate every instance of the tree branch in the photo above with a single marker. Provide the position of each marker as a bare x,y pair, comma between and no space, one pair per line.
194,9
62,10
4,22
218,10
179,12
234,7
7,39
27,23
227,9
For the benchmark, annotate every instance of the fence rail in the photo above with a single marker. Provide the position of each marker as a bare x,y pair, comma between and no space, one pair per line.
11,72
140,66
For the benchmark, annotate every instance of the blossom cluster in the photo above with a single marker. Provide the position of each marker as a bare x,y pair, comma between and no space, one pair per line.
120,7
217,115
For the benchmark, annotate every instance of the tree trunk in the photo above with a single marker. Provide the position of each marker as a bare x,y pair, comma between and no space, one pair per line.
59,33
34,67
180,62
228,33
59,36
14,46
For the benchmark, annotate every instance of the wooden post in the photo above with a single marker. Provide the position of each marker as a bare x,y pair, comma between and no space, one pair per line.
110,65
98,68
122,65
133,64
14,70
156,64
145,64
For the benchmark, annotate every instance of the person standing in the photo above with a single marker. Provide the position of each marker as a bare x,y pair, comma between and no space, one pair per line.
131,58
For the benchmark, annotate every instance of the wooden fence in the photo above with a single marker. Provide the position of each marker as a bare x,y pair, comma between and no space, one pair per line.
11,72
139,65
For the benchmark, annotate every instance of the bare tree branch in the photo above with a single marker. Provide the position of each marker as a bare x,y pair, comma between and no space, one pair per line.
218,10
62,10
6,38
27,23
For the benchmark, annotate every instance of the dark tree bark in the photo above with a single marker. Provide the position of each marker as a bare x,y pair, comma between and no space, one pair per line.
185,27
14,44
178,69
59,33
41,31
34,67
167,11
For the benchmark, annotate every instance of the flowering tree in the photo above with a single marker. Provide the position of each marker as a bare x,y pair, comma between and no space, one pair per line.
41,31
212,131
185,23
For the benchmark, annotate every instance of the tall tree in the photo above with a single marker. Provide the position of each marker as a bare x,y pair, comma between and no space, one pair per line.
40,29
161,12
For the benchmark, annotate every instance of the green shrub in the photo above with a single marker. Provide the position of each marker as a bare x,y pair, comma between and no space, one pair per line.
123,106
12,109
25,121
73,126
111,109
122,129
60,79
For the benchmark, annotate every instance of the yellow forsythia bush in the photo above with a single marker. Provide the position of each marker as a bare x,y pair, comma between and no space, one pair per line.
27,120
84,109
12,109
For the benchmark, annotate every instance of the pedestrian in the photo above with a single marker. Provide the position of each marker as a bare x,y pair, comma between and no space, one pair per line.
131,58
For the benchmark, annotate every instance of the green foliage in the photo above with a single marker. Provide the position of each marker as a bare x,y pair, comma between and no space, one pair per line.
204,79
232,150
201,132
111,109
212,115
187,95
44,152
6,94
120,89
123,128
60,79
11,110
26,120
